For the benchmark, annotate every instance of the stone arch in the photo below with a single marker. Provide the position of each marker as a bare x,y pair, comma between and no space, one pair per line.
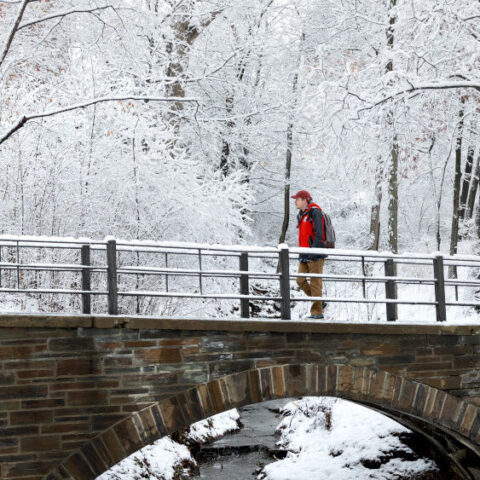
409,402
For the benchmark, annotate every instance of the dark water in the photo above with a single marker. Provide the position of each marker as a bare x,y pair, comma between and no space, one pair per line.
241,454
237,455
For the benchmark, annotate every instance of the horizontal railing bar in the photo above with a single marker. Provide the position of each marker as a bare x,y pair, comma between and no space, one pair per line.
360,300
360,278
461,264
195,295
54,247
175,274
228,273
261,297
197,246
168,274
368,255
132,269
43,266
360,253
177,252
463,304
234,296
462,283
24,241
46,241
51,290
187,248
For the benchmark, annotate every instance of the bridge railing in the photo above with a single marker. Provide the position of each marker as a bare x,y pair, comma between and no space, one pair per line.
91,270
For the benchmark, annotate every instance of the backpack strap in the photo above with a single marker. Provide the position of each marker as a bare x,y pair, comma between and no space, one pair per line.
309,214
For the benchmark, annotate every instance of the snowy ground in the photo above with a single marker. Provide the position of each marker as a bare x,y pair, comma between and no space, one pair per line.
326,439
336,439
162,460
169,460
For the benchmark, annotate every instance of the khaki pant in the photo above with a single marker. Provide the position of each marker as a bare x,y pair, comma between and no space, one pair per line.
314,287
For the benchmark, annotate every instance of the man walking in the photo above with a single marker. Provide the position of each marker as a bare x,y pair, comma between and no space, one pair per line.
311,233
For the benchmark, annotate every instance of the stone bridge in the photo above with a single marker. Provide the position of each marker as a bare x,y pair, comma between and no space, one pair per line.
80,393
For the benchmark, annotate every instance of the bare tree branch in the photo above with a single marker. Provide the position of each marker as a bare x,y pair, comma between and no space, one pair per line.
51,113
61,14
14,30
15,2
425,86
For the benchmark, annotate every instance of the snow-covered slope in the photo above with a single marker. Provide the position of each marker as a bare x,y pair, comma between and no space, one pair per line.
335,439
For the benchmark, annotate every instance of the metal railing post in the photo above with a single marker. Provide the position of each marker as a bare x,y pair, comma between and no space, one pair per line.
438,272
364,286
244,288
283,262
112,277
391,290
18,265
86,287
166,275
200,284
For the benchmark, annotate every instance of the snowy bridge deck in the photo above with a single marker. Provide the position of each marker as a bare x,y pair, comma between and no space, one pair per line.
145,278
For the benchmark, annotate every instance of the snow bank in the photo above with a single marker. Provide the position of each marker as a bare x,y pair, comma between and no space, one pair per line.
214,427
162,460
329,438
169,460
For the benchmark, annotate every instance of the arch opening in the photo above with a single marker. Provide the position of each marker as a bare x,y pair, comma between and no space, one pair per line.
448,422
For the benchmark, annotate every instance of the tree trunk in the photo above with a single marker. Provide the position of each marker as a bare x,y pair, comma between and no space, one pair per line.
186,32
377,203
467,177
225,161
393,177
472,194
288,158
137,214
286,188
393,199
456,193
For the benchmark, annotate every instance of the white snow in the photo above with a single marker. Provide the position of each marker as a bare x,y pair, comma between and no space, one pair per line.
158,461
214,427
165,458
329,438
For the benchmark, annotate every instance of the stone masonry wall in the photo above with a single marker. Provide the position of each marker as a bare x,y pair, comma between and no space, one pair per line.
63,380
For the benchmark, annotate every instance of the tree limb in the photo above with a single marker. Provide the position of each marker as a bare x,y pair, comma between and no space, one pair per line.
15,2
426,86
61,14
14,30
27,118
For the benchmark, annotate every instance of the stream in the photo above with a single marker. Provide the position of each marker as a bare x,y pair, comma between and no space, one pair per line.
237,455
241,454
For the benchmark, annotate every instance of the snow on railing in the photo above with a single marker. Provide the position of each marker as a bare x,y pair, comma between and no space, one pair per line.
21,272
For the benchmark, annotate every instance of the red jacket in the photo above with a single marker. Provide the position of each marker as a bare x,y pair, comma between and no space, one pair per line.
311,230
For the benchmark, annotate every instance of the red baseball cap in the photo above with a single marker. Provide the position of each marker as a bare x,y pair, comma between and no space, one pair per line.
302,194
